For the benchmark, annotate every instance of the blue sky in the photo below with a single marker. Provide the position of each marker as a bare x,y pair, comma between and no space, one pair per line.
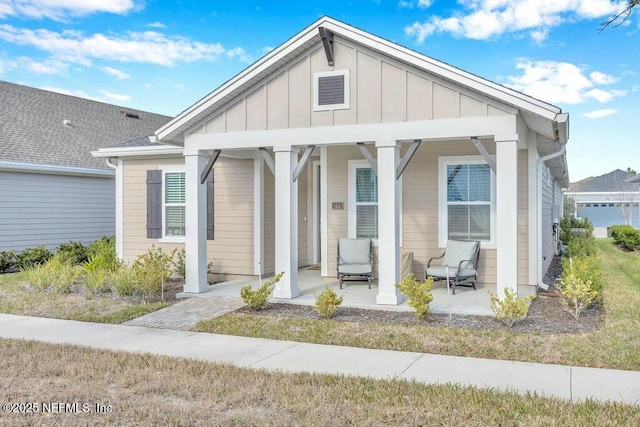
163,56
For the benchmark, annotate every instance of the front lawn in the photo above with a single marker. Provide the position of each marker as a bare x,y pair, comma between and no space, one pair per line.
616,344
140,389
17,297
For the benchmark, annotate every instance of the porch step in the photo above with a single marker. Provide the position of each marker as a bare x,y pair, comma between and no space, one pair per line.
185,314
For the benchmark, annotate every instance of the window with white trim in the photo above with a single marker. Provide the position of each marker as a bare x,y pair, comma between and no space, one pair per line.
173,209
363,200
466,199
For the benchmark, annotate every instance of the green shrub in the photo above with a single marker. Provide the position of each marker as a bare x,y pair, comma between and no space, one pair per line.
32,256
124,283
419,294
55,274
580,285
74,252
569,223
627,236
511,308
179,266
105,249
151,271
581,246
7,261
257,300
327,303
97,281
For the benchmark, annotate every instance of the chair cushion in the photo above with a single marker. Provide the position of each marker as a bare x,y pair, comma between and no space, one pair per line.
354,251
458,251
354,269
441,272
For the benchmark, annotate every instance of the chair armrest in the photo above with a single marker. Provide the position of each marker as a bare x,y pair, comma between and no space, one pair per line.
473,265
431,259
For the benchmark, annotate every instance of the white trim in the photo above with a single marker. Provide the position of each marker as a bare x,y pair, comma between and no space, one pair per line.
54,169
150,150
426,130
165,171
324,231
507,205
120,210
316,93
351,194
532,206
315,206
258,214
443,229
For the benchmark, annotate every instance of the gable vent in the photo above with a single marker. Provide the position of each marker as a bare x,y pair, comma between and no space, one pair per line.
331,90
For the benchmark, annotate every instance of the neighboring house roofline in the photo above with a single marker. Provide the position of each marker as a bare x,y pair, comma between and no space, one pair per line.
533,108
54,169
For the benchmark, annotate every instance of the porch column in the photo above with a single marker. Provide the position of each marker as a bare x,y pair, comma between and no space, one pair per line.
196,225
388,223
286,222
507,206
258,214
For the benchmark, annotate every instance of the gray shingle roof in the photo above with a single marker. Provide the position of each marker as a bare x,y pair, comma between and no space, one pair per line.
612,181
33,130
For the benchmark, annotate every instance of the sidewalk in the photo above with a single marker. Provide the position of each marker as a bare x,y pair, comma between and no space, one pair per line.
571,383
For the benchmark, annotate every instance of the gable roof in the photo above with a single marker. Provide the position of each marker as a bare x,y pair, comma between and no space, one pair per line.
33,129
614,181
541,117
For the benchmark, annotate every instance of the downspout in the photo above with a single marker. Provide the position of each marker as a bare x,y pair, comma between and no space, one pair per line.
562,140
111,165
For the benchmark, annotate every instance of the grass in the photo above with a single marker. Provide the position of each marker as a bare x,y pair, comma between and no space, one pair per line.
153,390
18,298
616,344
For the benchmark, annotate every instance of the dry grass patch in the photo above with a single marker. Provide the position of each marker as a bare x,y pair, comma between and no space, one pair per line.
616,344
153,390
16,297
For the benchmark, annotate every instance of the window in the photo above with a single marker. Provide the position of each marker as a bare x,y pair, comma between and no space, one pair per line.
363,200
466,199
174,204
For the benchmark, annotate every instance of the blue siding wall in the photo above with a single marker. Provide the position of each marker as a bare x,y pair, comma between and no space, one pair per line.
49,209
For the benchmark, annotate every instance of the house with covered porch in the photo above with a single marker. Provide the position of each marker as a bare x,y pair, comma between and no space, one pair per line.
339,133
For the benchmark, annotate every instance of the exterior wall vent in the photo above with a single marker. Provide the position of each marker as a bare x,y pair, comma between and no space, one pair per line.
331,90
130,115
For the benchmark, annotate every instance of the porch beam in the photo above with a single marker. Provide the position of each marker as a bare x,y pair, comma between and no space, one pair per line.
407,157
303,161
484,153
367,155
268,160
426,130
207,168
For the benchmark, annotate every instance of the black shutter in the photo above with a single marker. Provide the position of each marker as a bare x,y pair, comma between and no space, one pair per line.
154,204
209,184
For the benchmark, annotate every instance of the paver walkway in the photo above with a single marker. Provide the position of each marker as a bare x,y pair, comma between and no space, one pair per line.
184,315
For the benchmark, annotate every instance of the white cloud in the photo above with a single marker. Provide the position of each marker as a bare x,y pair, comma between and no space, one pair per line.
410,4
598,114
238,52
78,93
486,19
142,47
561,82
116,73
157,25
115,96
62,9
45,67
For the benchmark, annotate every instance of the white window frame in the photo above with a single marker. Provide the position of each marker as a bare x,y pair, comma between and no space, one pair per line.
171,238
351,204
316,77
443,220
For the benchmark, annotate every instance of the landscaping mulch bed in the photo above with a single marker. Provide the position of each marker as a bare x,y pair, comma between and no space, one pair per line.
546,314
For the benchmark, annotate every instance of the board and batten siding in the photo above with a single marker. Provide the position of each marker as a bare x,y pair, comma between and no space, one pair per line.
51,209
420,205
285,98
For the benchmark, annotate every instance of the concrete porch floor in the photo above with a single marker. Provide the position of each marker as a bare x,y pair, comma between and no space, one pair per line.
358,295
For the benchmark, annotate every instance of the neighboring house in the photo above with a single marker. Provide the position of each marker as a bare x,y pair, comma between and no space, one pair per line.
52,190
317,140
607,200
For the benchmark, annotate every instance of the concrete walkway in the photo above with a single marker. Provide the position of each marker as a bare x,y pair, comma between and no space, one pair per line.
184,314
564,382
